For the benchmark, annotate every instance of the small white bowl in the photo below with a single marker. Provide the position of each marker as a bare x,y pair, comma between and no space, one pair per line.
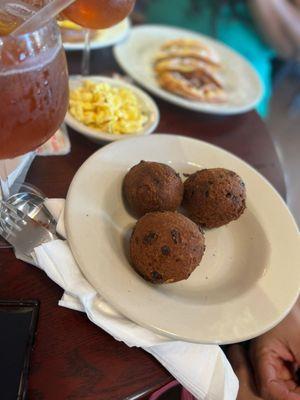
99,136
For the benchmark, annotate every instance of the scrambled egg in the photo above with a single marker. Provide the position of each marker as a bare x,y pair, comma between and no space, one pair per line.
110,109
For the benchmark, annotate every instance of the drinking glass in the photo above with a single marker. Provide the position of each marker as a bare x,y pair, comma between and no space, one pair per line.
99,14
96,14
34,92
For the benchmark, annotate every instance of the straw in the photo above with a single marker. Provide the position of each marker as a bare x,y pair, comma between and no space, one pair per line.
41,17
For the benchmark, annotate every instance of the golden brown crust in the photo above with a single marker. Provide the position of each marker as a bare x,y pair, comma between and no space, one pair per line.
181,42
190,67
214,197
166,247
177,83
152,186
189,48
198,54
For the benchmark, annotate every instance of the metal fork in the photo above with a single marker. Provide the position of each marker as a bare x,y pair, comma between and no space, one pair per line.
22,232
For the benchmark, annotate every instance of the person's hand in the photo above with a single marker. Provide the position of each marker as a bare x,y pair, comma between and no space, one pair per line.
275,359
238,359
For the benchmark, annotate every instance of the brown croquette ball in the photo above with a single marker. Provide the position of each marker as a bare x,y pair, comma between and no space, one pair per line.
214,197
152,186
166,247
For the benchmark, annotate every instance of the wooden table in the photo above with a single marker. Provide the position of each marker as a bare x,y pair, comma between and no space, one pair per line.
73,359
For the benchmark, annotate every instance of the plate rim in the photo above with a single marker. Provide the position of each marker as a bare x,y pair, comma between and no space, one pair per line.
96,43
176,100
154,328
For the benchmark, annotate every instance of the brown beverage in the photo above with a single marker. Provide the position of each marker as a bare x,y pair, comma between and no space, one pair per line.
34,90
99,14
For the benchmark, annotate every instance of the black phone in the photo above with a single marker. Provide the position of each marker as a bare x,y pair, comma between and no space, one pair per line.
18,323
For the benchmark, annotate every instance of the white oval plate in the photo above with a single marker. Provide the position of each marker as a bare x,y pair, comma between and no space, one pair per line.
248,279
99,136
136,56
105,37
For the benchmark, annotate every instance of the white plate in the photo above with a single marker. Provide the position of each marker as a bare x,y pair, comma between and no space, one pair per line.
98,136
105,37
136,56
248,279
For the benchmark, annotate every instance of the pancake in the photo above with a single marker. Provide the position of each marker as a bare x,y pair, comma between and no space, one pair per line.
193,89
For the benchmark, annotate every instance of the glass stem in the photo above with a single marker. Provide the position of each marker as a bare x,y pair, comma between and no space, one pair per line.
4,185
85,67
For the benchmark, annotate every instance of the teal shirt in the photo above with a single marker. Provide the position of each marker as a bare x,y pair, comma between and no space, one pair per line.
239,33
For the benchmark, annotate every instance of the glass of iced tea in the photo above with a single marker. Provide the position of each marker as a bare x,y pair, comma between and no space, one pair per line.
96,14
99,14
34,90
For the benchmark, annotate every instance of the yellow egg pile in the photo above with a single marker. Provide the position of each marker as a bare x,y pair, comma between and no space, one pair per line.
109,109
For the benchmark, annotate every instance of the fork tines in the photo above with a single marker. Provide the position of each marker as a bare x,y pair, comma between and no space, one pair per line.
11,219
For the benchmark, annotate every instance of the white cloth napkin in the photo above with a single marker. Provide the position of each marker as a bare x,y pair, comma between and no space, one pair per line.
201,369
